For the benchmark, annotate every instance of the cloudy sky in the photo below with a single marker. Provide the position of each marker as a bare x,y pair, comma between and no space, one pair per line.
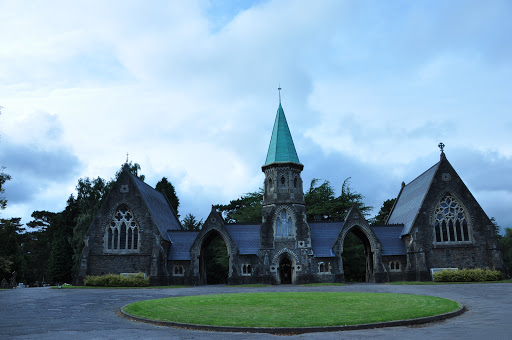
189,90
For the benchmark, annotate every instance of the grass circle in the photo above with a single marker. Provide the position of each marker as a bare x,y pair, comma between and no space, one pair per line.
307,309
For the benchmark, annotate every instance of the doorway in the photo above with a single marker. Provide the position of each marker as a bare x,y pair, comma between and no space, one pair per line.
285,271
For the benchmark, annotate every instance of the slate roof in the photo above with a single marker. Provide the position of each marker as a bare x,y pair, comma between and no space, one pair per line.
246,237
323,236
390,238
281,148
181,241
410,200
159,207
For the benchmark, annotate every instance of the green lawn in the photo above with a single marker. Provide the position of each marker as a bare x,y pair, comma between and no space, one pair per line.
290,309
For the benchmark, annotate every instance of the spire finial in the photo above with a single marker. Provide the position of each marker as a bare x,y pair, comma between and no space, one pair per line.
127,157
279,89
441,146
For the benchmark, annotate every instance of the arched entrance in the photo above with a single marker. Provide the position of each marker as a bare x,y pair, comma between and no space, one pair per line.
214,260
357,257
285,270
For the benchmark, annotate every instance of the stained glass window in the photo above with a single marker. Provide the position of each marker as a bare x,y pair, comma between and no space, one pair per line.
451,222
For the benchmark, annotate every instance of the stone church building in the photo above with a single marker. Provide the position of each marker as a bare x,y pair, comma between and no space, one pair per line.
435,223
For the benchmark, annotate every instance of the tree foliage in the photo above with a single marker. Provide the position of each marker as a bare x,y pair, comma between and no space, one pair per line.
134,170
217,261
11,256
384,212
354,259
166,188
322,204
505,242
3,178
191,223
246,209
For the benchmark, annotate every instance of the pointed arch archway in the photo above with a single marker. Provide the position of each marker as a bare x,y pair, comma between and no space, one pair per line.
371,250
214,259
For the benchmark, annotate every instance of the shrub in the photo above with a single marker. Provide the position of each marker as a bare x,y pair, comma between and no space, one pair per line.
113,280
468,275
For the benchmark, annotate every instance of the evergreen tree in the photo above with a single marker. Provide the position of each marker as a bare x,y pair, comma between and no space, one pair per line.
166,188
11,257
191,223
3,178
246,209
60,263
384,212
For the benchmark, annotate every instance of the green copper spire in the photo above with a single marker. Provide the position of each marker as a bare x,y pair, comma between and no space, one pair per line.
281,148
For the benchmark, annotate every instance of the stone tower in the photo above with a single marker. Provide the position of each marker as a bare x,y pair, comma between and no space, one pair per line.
285,235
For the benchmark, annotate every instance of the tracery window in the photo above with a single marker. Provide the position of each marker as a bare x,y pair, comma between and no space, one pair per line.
284,225
123,231
451,221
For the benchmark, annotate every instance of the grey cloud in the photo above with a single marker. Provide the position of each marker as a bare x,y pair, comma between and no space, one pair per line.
32,169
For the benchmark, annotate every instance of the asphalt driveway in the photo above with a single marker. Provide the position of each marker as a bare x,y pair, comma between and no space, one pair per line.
43,313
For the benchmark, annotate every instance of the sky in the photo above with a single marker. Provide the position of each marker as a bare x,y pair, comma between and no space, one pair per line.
189,90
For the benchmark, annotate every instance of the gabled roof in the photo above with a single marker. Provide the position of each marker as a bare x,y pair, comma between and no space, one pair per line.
160,209
390,238
281,148
181,241
410,199
323,236
246,237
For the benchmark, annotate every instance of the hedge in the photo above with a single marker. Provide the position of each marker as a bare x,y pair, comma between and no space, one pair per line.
468,275
113,280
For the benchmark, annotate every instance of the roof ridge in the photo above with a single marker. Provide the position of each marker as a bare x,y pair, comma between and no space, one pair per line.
424,172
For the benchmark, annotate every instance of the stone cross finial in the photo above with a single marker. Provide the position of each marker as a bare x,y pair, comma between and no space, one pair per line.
441,146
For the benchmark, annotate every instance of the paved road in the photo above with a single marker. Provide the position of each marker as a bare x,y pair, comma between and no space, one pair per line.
43,313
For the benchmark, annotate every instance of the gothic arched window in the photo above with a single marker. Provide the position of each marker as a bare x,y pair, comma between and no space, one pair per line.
451,221
123,232
283,224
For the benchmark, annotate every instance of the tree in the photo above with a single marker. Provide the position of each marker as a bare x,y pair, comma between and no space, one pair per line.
505,242
190,223
384,212
134,170
36,245
322,204
166,188
354,259
90,196
60,263
3,178
246,209
10,252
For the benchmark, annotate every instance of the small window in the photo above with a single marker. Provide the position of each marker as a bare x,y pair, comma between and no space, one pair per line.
324,267
246,269
295,182
394,266
178,270
283,180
